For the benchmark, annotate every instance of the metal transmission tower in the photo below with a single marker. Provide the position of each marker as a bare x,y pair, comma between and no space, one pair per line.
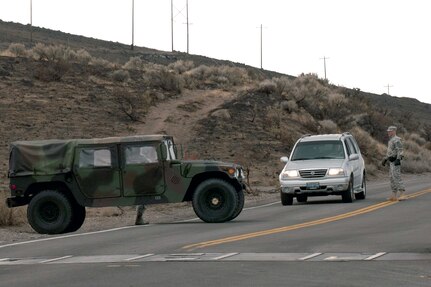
388,86
324,64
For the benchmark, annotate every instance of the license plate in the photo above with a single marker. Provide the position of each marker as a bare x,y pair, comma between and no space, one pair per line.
313,185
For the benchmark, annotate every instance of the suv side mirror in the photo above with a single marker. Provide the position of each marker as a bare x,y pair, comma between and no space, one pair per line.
354,156
284,159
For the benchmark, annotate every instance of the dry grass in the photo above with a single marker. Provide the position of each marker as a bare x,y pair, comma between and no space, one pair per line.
10,216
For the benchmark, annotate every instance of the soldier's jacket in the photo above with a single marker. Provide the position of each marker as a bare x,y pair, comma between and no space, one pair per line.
395,148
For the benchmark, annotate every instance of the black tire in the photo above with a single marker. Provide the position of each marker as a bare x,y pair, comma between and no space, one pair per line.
286,199
215,200
301,198
78,218
240,204
363,193
348,195
49,212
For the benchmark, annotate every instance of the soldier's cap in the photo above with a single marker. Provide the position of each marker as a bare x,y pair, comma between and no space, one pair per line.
392,128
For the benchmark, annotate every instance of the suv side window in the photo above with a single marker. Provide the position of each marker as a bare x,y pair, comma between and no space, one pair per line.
91,158
352,145
140,154
348,147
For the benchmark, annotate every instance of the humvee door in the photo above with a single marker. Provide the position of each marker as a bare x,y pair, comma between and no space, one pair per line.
97,171
142,169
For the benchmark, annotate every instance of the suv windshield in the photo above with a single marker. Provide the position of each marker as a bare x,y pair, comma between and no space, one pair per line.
318,150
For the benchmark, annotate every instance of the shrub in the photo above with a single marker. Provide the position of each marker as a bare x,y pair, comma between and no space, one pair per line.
101,62
289,106
163,79
134,63
415,138
83,57
182,66
282,84
267,86
51,71
120,76
9,216
328,127
17,50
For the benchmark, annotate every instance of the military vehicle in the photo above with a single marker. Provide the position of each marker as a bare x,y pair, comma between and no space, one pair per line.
58,179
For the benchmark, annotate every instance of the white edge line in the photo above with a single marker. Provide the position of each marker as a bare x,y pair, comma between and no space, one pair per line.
377,255
139,257
310,256
69,236
4,259
225,256
55,259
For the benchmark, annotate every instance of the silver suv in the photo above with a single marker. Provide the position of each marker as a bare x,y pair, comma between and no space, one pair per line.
323,165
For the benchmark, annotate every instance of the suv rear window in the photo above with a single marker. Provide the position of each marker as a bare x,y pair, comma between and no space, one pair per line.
318,150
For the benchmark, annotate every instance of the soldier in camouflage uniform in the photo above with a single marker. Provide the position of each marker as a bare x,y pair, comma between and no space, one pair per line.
394,155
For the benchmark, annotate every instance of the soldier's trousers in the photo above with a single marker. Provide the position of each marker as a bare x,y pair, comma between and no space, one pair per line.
395,178
140,211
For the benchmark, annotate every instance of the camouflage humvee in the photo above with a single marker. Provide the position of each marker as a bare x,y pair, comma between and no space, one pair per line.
59,178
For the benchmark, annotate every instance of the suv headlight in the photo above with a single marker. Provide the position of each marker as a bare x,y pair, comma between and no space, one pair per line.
289,174
335,171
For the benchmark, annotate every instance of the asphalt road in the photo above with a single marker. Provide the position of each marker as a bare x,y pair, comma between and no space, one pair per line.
324,242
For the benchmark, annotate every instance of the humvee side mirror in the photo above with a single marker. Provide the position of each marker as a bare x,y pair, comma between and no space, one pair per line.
163,152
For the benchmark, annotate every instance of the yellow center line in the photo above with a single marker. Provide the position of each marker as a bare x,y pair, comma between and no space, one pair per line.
300,225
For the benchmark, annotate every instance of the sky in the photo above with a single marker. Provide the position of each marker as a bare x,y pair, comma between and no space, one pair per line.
369,44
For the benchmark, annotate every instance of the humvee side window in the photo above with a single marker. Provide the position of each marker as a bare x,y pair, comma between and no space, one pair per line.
95,158
140,154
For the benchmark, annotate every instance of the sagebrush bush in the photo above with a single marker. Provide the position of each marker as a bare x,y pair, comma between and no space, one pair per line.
10,216
415,138
164,79
134,63
17,50
289,106
267,86
182,66
51,71
101,62
216,76
282,83
328,127
120,76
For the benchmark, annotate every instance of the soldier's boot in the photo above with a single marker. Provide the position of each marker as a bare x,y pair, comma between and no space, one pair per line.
393,197
140,216
402,196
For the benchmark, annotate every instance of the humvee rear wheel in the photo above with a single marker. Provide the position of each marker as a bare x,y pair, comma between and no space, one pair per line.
215,200
49,212
78,218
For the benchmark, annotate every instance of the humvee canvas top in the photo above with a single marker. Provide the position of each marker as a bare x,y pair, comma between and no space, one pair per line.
46,157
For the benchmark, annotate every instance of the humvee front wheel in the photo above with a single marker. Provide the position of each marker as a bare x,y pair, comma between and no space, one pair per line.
49,212
215,200
78,218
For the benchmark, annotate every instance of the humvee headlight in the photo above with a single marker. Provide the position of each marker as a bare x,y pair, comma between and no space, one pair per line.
288,174
335,171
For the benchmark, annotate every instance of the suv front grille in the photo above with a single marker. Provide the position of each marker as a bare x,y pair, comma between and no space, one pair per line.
312,173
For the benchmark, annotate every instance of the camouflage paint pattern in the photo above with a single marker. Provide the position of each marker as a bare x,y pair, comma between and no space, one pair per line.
74,166
395,151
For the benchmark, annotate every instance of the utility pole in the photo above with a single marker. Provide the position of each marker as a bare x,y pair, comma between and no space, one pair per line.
324,64
31,21
388,86
187,10
261,46
133,23
172,24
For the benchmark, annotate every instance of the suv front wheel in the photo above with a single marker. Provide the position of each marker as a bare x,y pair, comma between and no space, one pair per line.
348,195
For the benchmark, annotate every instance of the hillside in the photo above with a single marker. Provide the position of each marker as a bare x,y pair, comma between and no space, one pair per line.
67,86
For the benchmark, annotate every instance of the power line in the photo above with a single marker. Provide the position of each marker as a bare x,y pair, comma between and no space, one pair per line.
133,23
31,20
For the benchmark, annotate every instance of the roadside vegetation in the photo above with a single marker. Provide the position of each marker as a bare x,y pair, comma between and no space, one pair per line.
54,91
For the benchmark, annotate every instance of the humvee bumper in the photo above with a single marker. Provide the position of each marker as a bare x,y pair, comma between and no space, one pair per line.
16,201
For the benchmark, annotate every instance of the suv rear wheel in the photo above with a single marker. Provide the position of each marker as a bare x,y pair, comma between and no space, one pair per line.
49,212
215,200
